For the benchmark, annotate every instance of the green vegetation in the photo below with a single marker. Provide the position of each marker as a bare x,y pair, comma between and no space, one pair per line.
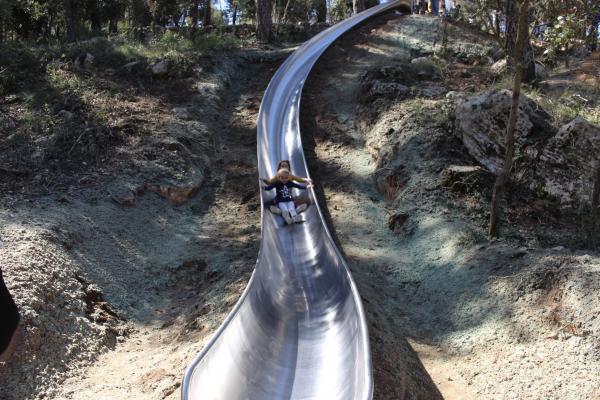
568,105
563,105
20,63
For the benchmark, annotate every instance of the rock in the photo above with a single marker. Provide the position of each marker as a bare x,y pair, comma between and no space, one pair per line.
423,68
481,125
177,195
421,61
161,69
498,54
132,66
11,98
85,61
499,67
558,164
6,122
388,90
124,194
66,115
432,90
453,95
125,199
540,71
181,112
88,61
396,222
487,60
568,163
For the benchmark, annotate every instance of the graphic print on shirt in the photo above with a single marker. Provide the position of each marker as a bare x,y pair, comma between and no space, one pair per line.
285,192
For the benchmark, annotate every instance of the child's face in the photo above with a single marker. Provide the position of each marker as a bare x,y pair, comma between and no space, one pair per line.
284,178
285,165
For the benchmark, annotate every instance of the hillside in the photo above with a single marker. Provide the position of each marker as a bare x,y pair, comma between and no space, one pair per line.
130,215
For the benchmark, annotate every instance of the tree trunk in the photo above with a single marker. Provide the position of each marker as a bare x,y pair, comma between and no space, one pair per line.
510,26
285,10
234,16
112,25
596,190
139,13
194,14
358,6
321,7
263,20
206,21
510,43
504,176
69,20
95,22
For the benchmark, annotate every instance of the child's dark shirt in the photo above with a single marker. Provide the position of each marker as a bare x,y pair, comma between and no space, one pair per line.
284,190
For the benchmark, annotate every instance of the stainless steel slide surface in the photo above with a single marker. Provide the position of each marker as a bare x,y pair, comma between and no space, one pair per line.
298,331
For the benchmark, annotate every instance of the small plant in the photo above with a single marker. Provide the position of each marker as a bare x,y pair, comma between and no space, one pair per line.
561,38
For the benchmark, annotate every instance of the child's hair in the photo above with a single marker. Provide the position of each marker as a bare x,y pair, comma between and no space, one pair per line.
280,165
283,171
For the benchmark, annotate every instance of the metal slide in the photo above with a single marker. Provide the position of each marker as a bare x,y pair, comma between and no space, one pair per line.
298,331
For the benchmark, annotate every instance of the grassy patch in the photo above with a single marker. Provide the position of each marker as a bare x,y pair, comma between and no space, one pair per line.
63,106
567,105
20,65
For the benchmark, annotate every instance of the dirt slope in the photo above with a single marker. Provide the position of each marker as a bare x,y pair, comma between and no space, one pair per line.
487,320
119,286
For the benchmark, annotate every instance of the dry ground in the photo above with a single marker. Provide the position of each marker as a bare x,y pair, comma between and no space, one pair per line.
484,319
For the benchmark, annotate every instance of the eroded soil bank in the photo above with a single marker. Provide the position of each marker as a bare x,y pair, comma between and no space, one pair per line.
503,319
121,277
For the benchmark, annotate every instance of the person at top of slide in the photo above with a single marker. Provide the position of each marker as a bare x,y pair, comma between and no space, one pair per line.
284,199
285,164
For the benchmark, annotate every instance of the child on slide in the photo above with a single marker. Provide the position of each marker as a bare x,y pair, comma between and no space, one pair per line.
285,164
284,199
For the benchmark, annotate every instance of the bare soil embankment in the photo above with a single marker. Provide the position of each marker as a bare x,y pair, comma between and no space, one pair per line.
449,310
123,266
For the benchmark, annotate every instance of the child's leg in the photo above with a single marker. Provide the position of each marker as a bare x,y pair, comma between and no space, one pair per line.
285,212
292,208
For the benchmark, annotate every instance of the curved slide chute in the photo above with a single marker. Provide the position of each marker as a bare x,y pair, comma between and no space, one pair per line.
298,330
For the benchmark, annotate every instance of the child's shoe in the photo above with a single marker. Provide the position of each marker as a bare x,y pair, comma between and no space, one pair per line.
296,218
286,216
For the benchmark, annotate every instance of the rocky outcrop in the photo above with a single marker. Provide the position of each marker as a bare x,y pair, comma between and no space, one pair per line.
499,67
541,72
161,69
481,125
567,163
390,90
557,163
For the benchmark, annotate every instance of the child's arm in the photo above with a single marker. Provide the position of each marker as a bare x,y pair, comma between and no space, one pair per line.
299,179
270,181
294,184
269,187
